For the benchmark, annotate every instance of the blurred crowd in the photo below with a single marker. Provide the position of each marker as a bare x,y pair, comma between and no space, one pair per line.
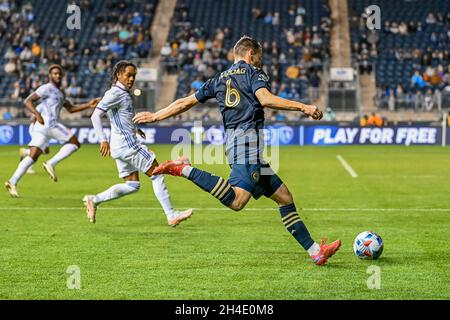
198,55
30,51
429,67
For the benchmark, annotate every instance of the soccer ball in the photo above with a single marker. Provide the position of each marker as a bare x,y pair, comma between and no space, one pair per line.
368,245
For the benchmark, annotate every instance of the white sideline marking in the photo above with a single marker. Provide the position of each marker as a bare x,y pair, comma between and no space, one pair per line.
249,209
347,167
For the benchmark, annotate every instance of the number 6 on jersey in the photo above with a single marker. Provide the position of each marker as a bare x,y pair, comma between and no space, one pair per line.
230,93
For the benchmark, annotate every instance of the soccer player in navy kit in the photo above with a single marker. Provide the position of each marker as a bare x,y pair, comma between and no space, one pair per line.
243,91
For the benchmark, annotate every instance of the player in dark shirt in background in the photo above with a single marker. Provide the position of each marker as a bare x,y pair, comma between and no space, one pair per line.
243,91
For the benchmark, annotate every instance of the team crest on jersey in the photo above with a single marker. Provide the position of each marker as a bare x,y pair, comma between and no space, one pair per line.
255,176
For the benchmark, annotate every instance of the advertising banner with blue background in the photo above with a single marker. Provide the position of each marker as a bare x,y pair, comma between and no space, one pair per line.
274,135
334,135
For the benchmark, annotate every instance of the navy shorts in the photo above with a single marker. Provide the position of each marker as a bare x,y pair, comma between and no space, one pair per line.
249,178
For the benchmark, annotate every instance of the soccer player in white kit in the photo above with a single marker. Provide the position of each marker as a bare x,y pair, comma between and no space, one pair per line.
48,127
131,156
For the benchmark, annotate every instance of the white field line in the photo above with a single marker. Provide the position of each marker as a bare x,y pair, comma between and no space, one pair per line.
249,209
347,167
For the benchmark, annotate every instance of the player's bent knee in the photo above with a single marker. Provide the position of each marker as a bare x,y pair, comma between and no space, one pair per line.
134,185
35,153
75,142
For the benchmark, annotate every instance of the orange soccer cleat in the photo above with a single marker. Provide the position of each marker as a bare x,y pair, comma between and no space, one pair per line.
326,252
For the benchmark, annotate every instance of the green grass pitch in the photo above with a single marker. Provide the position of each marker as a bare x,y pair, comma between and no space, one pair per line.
402,193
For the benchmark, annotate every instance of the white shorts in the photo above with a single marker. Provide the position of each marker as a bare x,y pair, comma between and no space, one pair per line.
140,160
41,136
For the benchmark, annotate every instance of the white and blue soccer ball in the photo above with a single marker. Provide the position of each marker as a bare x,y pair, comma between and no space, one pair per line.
368,246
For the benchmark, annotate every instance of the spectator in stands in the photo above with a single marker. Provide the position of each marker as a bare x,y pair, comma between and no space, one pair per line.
276,19
403,28
412,27
394,28
329,115
26,54
364,121
293,72
7,116
428,100
417,80
101,66
391,100
268,18
299,18
283,91
431,19
137,19
399,97
36,50
375,120
11,67
73,90
365,67
314,81
197,84
293,93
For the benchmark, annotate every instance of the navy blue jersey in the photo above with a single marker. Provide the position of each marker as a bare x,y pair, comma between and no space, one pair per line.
235,90
243,115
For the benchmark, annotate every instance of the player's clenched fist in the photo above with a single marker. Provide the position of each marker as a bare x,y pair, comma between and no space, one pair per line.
144,117
314,112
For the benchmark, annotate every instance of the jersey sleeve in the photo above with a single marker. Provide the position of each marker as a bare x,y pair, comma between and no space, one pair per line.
109,101
260,80
42,92
206,91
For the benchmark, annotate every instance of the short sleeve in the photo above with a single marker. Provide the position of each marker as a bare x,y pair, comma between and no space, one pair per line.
42,92
108,101
206,91
260,80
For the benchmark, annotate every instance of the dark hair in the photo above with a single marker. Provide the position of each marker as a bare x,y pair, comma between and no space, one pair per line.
55,66
245,44
119,68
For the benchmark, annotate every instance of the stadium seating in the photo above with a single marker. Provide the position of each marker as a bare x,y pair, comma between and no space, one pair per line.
201,20
398,55
90,46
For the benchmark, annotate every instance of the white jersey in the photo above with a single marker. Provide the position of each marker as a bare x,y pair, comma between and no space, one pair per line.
52,101
118,104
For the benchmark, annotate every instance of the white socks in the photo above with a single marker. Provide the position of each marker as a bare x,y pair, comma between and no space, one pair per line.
124,189
24,165
64,153
117,191
314,250
187,171
163,196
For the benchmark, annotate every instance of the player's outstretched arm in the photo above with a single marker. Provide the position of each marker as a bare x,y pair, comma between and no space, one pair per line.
81,107
178,107
29,104
269,100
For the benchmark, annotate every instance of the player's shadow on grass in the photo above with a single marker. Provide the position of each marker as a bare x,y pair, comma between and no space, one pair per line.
387,261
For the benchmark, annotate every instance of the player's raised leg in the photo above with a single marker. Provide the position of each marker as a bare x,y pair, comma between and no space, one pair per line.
294,224
24,165
231,197
72,146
